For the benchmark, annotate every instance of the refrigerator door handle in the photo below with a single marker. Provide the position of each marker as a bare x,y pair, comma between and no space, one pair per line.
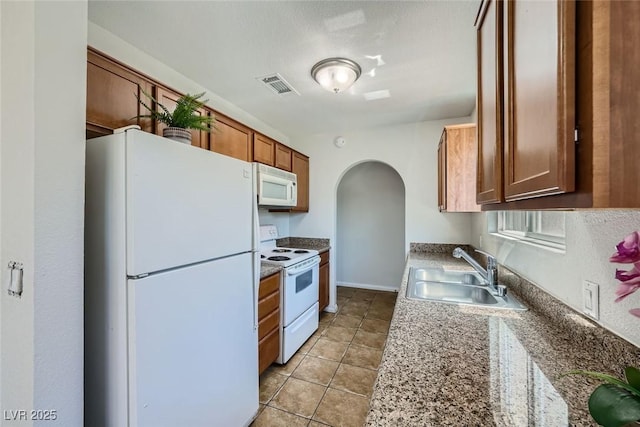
256,286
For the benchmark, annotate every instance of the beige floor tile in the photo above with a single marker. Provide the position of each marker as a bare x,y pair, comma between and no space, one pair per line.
342,409
382,313
289,367
326,317
270,383
345,292
386,297
342,300
339,333
328,349
308,345
375,325
369,339
363,295
364,357
271,417
298,397
354,379
347,321
317,424
316,370
356,309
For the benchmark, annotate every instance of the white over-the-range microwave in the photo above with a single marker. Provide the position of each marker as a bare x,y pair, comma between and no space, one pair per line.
275,187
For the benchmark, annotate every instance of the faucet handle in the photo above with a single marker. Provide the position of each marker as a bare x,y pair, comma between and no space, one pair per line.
492,262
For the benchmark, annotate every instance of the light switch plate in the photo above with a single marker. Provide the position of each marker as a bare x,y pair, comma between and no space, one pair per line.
590,299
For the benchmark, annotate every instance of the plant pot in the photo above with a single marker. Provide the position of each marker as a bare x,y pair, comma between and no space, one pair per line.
177,134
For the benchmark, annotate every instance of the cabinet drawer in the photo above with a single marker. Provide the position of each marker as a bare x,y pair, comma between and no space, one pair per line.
269,285
268,304
268,350
267,324
324,257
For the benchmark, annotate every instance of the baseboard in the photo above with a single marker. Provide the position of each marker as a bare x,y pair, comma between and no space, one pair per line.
368,287
331,308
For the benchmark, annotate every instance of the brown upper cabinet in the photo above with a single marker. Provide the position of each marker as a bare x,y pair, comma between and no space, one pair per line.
568,74
264,149
111,96
527,140
489,62
457,156
284,157
232,139
539,72
112,88
169,99
300,166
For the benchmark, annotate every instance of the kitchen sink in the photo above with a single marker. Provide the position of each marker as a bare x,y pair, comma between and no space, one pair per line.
456,287
447,276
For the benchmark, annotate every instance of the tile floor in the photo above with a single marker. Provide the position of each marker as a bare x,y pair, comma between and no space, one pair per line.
329,381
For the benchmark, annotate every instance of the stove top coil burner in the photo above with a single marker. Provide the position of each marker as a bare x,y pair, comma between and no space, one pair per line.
281,250
301,251
279,258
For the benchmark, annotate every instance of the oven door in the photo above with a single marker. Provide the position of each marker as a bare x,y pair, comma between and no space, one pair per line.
300,289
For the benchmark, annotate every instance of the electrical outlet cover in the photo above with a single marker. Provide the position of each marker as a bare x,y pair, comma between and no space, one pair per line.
590,299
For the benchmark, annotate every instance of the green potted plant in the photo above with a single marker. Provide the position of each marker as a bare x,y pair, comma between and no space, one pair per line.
181,119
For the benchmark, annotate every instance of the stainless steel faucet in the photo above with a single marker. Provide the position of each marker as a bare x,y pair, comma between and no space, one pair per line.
490,274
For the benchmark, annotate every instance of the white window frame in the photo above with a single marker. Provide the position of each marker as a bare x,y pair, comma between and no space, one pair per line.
528,229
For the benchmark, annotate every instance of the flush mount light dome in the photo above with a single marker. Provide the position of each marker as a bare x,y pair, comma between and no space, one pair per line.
336,74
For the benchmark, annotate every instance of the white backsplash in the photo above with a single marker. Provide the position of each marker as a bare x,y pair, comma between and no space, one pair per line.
591,237
279,219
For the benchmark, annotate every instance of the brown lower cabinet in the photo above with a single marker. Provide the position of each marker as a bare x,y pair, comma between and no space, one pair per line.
268,321
323,297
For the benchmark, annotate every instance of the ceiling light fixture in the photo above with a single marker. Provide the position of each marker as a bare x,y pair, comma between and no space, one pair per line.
336,74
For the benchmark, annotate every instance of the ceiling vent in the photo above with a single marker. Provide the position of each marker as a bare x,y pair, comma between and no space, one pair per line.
278,84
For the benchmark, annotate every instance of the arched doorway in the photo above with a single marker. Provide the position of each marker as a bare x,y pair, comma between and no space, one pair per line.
370,229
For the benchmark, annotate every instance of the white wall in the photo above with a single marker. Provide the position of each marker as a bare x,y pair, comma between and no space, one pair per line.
279,219
108,43
410,149
42,115
591,239
370,227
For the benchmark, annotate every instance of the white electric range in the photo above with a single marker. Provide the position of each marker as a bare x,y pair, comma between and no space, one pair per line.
298,290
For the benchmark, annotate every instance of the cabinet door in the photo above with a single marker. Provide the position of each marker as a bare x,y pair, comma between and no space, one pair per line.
111,96
323,281
231,139
460,165
489,51
283,157
539,95
169,99
300,166
263,149
442,173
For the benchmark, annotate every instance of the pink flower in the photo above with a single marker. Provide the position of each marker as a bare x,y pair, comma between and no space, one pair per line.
635,312
624,290
629,277
628,250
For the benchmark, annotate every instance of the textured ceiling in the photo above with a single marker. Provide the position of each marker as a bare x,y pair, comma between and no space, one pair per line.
422,52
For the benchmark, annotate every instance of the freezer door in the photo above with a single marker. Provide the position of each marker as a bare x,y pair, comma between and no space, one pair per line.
193,349
184,204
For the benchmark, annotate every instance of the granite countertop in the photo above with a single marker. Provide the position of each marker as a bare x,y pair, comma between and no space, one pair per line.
453,365
320,245
268,269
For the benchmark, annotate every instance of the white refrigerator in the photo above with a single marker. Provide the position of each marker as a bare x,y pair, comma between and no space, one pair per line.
171,284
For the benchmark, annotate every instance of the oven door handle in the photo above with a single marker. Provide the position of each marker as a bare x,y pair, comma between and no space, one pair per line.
303,269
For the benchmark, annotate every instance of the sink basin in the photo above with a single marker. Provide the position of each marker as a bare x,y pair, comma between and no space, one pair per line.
452,292
456,287
440,275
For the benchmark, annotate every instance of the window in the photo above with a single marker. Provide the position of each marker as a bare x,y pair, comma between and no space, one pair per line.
537,227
